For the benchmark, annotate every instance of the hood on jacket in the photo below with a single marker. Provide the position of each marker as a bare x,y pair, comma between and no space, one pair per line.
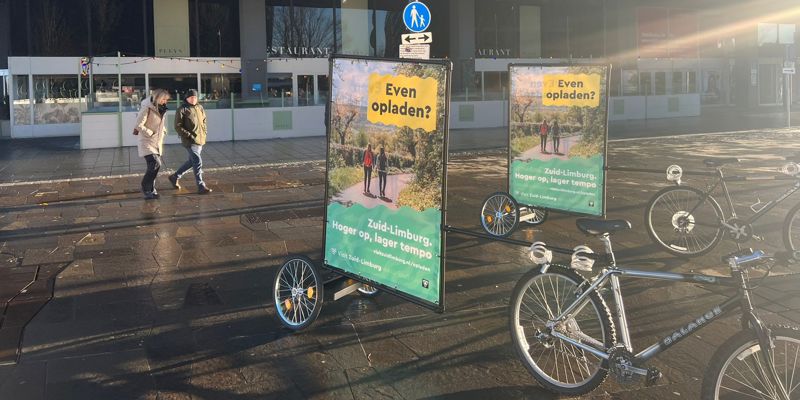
147,102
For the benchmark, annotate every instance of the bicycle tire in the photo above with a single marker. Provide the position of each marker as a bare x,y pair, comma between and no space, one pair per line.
791,229
499,214
556,276
368,291
743,347
673,213
541,216
297,293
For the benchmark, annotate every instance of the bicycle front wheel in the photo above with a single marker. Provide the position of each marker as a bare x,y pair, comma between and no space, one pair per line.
791,229
683,221
738,370
557,365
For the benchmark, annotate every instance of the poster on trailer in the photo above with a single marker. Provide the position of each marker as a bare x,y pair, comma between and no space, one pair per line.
386,169
558,136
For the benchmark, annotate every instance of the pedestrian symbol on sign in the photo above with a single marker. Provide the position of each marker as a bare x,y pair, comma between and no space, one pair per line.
417,17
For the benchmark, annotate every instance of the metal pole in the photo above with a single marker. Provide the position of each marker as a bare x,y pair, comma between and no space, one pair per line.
119,94
788,79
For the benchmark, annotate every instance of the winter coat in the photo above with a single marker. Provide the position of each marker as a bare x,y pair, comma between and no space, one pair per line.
152,129
190,123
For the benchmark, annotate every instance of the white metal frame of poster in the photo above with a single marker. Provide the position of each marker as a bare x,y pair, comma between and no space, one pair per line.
386,174
558,136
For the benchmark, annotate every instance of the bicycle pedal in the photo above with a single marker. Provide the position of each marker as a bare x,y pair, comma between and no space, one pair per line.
653,375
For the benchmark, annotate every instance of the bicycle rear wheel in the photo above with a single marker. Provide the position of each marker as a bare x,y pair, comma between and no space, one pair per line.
557,365
736,369
791,229
683,221
499,214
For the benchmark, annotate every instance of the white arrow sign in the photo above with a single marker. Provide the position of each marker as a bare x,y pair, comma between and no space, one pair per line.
417,38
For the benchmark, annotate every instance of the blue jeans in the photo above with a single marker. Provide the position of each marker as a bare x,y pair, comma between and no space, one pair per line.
195,161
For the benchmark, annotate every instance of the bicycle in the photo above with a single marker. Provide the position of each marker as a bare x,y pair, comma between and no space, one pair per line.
563,330
686,221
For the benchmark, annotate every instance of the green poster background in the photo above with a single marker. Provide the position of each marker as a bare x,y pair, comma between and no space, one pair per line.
567,171
391,236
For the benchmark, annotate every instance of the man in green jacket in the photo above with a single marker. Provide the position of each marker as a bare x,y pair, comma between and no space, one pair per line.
190,123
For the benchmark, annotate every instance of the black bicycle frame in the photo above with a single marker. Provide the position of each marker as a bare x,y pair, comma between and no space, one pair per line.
721,181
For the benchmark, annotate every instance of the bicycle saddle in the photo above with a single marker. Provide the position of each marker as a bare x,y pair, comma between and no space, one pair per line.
598,227
718,162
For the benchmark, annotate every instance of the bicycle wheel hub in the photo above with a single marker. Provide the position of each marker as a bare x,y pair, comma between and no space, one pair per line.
683,222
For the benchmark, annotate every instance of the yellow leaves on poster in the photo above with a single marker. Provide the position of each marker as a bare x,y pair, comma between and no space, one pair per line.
567,90
401,100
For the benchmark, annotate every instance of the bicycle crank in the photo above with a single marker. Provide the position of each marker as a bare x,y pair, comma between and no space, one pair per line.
739,231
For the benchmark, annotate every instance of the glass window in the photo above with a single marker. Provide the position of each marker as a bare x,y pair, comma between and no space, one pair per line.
691,81
496,85
496,30
5,106
630,82
176,85
301,28
279,89
679,83
712,90
22,102
661,83
117,25
104,96
305,90
218,34
56,99
133,92
324,86
646,83
386,27
59,28
216,89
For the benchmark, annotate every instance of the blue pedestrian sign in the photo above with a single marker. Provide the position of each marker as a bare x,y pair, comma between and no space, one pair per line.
417,17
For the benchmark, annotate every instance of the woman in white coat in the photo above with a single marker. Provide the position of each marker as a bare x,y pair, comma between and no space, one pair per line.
151,128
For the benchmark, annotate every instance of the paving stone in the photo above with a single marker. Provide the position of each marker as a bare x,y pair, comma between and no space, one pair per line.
26,382
122,375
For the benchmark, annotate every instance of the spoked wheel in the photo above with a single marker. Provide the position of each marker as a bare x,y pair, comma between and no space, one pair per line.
683,221
791,229
533,215
368,291
500,214
298,293
558,365
738,369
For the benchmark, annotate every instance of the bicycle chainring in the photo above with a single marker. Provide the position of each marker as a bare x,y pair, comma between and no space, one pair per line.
619,361
738,230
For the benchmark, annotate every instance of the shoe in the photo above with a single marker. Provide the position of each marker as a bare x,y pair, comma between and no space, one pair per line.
173,179
150,196
204,190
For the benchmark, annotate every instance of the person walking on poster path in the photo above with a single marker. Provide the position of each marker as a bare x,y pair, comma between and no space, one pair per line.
151,130
368,162
555,132
383,170
543,130
190,123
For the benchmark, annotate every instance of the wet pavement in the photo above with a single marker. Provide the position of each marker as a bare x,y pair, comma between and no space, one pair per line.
170,299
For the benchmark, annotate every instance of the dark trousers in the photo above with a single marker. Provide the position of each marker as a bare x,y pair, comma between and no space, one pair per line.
543,143
556,142
382,182
154,164
367,178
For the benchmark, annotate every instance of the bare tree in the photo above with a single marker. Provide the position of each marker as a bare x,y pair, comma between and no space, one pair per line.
52,29
343,117
303,27
105,19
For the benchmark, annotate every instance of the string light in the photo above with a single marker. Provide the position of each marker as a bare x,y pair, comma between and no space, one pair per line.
223,62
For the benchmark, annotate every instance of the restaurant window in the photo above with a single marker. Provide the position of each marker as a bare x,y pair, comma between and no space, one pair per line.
645,83
323,83
497,29
305,90
630,82
301,28
279,89
22,102
56,99
176,85
217,89
679,82
661,83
